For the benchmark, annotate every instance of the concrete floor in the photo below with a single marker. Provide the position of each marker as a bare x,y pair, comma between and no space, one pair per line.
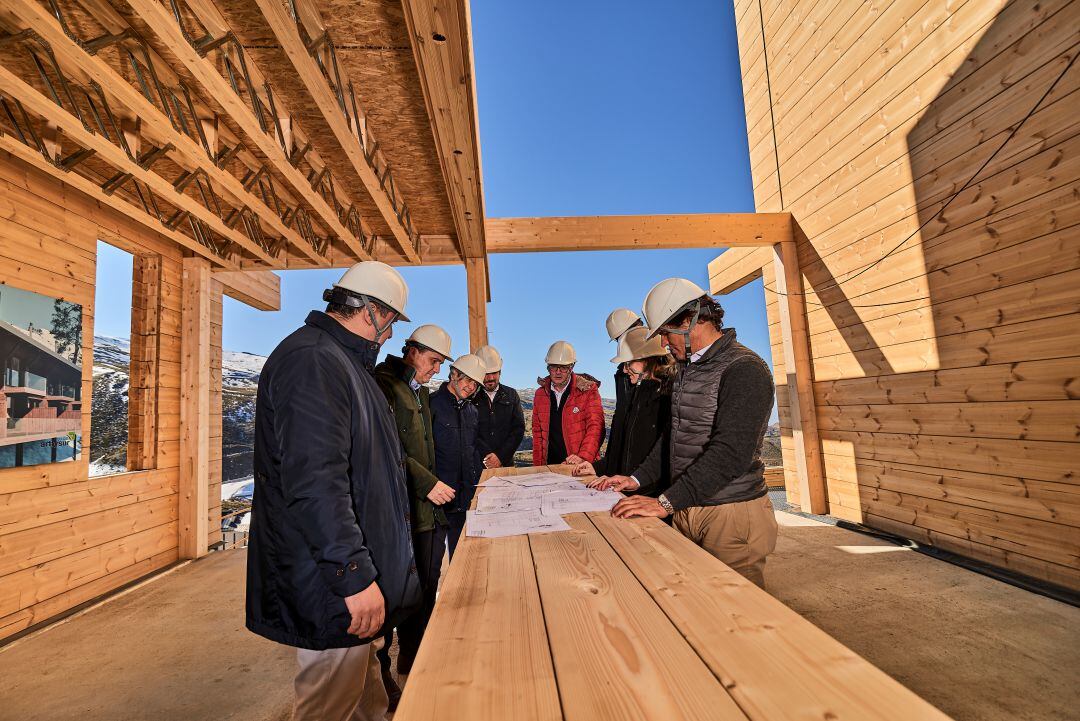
175,649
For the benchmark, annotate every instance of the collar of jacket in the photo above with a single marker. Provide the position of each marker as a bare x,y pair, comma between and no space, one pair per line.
368,350
399,368
578,381
719,346
445,388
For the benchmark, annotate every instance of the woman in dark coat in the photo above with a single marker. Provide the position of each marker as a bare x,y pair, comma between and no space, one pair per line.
644,416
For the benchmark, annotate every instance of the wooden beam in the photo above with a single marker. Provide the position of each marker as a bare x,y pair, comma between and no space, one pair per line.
441,37
284,28
32,157
39,105
636,232
477,282
800,381
143,377
261,289
736,267
216,87
153,123
194,408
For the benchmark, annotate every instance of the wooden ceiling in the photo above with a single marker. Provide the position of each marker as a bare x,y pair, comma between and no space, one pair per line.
258,133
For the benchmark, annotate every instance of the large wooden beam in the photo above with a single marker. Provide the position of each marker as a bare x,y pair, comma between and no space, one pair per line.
215,86
261,289
800,381
194,408
636,232
441,37
736,267
38,104
287,33
154,124
477,281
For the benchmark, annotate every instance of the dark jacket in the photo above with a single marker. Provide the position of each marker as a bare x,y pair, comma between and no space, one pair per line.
458,463
622,385
719,413
412,416
502,424
641,419
330,513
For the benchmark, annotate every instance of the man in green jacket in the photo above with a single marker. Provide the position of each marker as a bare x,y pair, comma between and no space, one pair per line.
402,381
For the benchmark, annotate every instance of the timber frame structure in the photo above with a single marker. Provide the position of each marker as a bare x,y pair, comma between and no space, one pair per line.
219,140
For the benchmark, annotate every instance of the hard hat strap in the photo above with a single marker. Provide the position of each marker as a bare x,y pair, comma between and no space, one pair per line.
379,329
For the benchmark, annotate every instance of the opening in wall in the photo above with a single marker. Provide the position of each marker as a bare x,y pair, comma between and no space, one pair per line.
124,402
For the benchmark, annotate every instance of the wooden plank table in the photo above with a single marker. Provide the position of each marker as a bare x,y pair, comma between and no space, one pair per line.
628,620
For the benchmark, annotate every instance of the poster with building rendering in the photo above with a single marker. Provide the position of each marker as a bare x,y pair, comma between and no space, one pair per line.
41,388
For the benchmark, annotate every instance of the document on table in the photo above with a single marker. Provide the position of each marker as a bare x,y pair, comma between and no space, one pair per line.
511,523
539,479
579,501
500,500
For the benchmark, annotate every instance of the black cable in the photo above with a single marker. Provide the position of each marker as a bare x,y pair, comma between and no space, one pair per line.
965,186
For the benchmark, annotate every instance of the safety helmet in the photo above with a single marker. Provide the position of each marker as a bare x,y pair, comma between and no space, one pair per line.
491,358
637,344
433,338
471,366
666,299
561,353
371,279
619,321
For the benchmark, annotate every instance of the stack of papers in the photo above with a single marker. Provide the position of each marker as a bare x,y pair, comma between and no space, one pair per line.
532,503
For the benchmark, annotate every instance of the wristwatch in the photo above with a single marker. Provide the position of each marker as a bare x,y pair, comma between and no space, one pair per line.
665,503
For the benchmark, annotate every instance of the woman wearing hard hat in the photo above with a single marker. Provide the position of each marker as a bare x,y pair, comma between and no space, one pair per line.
454,421
644,417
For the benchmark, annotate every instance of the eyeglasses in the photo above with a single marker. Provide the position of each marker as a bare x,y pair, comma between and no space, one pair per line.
559,369
634,375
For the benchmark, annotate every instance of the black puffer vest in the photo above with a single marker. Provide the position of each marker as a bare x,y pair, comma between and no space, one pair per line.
693,417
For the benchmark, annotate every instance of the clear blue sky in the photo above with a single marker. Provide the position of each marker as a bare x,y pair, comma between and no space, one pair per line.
586,108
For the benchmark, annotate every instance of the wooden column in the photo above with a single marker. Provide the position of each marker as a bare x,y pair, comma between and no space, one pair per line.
476,278
143,387
195,341
800,381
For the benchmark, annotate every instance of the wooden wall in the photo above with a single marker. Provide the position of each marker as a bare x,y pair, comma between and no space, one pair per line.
66,538
945,345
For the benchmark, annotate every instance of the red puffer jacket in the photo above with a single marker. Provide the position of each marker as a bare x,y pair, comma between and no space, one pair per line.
582,419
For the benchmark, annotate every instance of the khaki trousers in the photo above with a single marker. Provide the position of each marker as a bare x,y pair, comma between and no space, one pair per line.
340,684
739,534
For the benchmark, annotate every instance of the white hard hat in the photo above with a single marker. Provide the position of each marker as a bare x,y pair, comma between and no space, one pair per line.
376,280
561,353
432,337
637,344
619,321
666,299
491,358
471,366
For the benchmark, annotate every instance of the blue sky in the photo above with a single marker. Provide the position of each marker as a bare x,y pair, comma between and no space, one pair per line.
598,108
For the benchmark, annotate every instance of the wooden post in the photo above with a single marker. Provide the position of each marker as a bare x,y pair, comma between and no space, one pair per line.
476,278
195,408
143,387
800,382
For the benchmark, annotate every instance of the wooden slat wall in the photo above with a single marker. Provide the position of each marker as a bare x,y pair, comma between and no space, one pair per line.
944,347
66,538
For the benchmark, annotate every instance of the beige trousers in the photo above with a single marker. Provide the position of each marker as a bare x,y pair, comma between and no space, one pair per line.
739,534
340,684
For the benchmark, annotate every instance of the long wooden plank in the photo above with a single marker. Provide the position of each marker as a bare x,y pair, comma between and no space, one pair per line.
261,289
775,664
736,267
476,277
636,232
195,410
441,38
616,655
162,23
286,32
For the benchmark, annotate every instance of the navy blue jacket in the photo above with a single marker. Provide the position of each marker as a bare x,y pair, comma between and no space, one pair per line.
458,463
331,510
502,424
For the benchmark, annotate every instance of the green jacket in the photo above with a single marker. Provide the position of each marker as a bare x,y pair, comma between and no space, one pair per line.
412,416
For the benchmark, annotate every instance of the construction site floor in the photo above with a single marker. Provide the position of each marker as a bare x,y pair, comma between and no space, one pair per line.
175,648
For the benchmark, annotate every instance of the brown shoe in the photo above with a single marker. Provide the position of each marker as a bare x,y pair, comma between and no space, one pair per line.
393,691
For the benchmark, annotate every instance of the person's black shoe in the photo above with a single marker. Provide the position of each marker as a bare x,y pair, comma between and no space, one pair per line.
393,691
